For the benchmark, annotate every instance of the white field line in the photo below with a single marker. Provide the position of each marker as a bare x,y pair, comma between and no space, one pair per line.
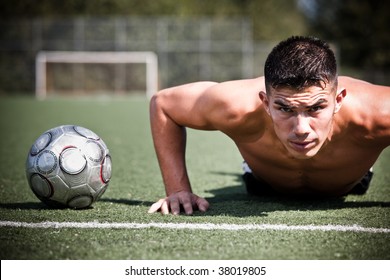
196,226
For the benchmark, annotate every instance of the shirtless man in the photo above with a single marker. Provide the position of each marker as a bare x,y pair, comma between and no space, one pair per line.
300,129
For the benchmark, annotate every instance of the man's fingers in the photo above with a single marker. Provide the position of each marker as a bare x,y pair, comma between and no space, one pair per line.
203,204
161,205
174,205
156,206
187,205
165,207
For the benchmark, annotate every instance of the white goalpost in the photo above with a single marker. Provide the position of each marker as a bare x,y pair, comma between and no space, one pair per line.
45,57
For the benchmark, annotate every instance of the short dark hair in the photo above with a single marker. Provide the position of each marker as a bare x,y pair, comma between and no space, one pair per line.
300,62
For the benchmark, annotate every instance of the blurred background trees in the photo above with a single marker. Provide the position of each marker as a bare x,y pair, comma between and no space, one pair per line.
358,28
361,29
272,19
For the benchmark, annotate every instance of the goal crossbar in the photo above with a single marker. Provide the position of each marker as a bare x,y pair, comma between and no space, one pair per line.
44,57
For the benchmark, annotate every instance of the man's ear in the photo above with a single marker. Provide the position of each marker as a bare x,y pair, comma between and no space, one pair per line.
340,95
264,98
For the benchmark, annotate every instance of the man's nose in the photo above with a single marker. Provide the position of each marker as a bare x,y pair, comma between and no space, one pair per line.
302,125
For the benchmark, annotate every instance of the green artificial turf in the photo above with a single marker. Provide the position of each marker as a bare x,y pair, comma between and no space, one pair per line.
214,167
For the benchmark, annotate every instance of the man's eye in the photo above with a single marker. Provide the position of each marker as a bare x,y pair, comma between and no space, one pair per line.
315,109
285,109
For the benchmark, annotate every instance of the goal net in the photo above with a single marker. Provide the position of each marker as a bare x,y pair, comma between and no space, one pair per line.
84,73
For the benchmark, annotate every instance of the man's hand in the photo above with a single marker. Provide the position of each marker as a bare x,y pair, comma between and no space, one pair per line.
172,204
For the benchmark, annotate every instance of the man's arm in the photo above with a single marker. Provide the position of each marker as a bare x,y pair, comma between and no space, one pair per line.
171,110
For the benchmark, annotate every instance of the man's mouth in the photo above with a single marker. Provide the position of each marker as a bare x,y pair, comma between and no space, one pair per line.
302,145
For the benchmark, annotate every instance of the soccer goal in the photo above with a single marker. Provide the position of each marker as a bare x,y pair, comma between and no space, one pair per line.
90,72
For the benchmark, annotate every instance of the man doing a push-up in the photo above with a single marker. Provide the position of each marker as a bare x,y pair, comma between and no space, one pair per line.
300,129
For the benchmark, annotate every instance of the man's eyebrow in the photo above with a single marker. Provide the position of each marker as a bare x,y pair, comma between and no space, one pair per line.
281,103
319,102
284,104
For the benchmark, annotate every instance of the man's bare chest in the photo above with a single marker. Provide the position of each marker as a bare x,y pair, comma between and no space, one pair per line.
336,168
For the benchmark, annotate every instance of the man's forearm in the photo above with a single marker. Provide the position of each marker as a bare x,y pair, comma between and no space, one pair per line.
169,141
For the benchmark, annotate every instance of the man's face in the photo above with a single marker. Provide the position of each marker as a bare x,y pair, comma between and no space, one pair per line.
303,120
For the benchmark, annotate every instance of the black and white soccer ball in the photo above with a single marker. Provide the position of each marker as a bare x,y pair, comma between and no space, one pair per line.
69,166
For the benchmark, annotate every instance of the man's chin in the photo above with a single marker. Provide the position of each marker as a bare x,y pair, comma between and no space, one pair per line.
303,151
303,154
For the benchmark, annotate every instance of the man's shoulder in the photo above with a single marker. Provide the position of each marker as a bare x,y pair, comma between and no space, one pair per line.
237,88
234,96
364,95
366,108
233,104
358,86
350,80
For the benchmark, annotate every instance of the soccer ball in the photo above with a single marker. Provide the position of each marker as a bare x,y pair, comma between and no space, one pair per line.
68,166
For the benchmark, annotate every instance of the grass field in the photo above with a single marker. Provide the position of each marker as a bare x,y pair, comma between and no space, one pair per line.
293,227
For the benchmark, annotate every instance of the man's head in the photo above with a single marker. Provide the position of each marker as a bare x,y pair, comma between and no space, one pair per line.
300,62
301,94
